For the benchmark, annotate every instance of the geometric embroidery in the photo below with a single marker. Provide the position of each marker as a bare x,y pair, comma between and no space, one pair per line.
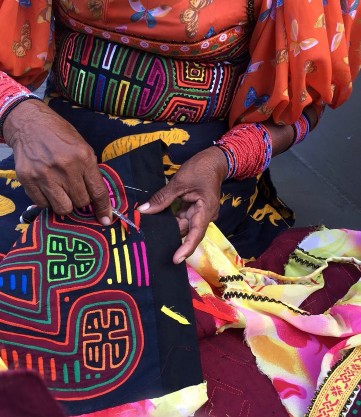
115,329
115,343
80,305
78,256
93,331
122,81
80,331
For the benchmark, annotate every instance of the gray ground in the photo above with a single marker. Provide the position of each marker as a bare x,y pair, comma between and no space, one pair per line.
320,178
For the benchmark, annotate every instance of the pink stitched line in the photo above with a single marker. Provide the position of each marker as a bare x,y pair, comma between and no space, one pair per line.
145,262
137,264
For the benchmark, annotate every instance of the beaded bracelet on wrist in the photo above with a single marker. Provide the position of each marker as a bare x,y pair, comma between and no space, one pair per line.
301,129
13,103
11,94
248,149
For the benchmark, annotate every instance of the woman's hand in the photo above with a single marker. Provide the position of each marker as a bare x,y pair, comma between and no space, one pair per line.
197,184
53,162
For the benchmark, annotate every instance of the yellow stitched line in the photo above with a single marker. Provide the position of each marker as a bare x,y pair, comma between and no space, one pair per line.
175,316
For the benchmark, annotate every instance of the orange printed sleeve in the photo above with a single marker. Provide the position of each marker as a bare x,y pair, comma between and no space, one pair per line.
302,52
26,50
26,47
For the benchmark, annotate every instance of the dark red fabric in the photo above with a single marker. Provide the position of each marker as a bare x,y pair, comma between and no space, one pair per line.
276,256
235,386
24,394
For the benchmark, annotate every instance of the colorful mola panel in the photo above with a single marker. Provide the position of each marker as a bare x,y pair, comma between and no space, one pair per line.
81,303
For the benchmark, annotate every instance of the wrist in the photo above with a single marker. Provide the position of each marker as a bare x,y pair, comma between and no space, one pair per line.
19,116
311,113
220,162
248,150
11,94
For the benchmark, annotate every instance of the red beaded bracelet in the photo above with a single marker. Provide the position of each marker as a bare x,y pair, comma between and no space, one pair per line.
248,149
11,94
301,129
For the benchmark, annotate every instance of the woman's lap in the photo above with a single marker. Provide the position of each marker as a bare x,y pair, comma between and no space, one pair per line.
234,383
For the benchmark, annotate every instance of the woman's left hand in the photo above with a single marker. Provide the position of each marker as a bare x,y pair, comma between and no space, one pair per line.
197,184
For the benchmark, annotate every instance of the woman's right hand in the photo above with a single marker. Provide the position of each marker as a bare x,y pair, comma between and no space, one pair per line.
53,162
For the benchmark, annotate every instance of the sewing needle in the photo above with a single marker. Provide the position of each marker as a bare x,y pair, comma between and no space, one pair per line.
125,219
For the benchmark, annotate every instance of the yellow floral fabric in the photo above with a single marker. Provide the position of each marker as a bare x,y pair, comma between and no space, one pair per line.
297,350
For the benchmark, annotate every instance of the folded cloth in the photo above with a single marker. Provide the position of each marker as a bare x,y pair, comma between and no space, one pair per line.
303,326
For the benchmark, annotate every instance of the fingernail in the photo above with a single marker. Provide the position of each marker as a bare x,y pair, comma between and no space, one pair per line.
143,207
105,221
180,260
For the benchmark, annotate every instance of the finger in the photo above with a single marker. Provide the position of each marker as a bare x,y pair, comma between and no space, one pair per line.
79,194
99,195
59,200
183,211
197,229
36,196
160,200
189,245
182,218
183,225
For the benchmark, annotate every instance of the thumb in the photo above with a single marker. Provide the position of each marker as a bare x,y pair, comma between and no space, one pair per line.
160,200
